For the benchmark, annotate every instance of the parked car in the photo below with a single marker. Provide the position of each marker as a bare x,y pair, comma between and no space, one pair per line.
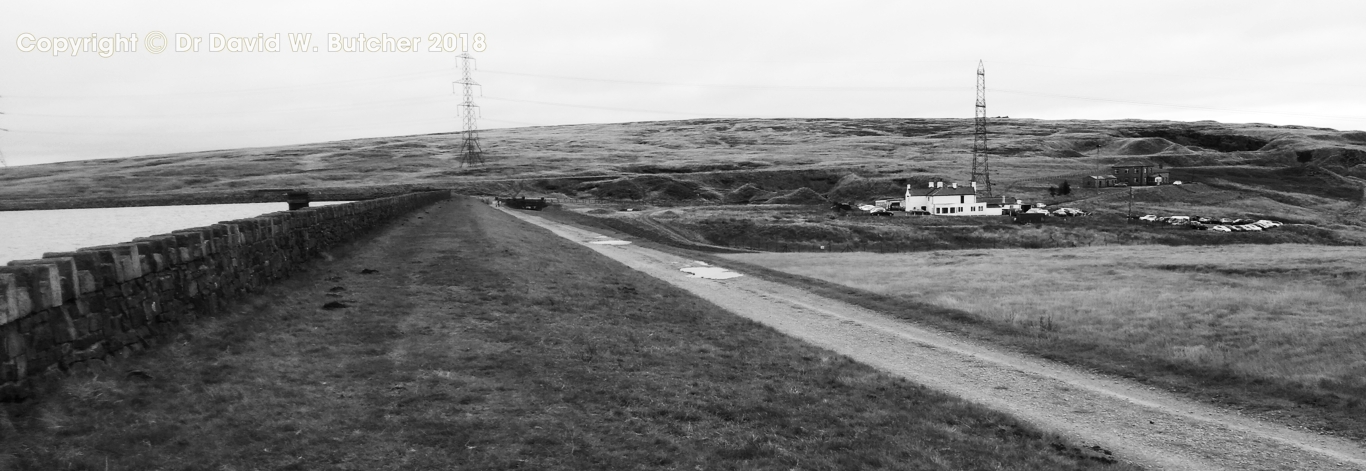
1227,220
1265,223
1251,227
1178,220
1149,218
1220,229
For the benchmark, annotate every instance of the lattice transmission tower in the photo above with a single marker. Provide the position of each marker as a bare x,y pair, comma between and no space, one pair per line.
981,168
471,153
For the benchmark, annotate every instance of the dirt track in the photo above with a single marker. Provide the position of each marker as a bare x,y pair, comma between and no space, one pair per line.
1138,424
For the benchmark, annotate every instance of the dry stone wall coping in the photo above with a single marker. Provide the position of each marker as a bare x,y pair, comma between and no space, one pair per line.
70,310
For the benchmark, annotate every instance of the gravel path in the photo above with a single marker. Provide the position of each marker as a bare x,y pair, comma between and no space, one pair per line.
1136,423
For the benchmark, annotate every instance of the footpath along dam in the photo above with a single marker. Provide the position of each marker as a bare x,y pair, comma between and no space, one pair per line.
67,310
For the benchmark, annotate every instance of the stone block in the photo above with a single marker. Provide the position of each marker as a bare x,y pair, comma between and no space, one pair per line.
85,261
21,366
43,281
15,345
125,260
41,337
143,257
191,242
162,250
10,308
67,273
87,282
63,330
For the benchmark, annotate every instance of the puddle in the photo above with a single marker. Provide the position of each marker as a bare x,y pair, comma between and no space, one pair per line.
711,273
610,242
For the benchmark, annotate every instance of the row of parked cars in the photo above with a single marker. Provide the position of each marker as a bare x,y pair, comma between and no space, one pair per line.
1213,224
1060,212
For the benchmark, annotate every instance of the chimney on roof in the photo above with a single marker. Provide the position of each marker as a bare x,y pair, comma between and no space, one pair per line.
955,184
974,184
931,184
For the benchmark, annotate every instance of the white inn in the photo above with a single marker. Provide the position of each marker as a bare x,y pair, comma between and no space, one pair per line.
950,200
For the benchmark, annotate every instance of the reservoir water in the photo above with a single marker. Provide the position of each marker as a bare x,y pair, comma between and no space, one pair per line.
28,234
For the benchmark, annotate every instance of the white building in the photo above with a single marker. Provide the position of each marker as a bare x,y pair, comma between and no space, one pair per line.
1002,204
948,200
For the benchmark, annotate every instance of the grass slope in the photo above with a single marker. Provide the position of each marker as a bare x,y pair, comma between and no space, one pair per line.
1274,331
1029,155
484,343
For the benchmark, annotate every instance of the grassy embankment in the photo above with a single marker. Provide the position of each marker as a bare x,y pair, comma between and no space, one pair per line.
1274,329
783,228
484,343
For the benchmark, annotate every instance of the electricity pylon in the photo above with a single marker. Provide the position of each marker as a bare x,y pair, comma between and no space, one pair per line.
471,153
981,168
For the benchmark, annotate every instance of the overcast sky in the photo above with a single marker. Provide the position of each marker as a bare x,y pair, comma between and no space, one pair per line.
552,63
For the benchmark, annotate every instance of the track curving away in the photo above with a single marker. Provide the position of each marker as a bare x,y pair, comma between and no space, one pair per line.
1141,425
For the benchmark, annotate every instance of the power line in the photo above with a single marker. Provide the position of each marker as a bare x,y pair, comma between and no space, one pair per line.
3,164
1186,77
608,108
742,87
885,89
233,131
1172,105
376,104
522,123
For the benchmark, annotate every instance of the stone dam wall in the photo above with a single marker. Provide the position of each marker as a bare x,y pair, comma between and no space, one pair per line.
69,310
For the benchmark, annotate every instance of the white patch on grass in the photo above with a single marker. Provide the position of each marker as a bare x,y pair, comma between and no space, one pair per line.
711,273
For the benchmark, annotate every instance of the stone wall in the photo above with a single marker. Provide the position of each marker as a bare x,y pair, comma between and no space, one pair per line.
68,310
